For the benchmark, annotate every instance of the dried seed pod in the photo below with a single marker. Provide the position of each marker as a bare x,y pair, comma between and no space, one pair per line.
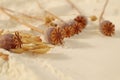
77,27
93,18
82,20
49,19
10,41
53,24
107,28
55,35
69,30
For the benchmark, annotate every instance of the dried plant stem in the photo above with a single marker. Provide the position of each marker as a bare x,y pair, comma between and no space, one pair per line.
22,22
1,31
106,27
23,14
4,56
73,6
103,11
48,12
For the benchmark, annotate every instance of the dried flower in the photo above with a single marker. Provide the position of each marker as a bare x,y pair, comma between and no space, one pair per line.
55,35
82,20
10,41
107,28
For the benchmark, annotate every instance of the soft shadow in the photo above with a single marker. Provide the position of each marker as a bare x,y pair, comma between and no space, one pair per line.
86,34
75,44
8,24
61,10
90,31
55,56
117,34
50,55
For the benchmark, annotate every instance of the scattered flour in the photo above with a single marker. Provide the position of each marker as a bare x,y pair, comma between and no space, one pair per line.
26,67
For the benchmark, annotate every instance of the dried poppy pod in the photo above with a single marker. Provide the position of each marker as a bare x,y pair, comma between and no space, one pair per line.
10,41
77,27
107,28
48,21
69,30
82,20
55,36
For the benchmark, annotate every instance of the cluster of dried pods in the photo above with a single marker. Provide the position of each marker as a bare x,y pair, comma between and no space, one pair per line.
55,34
20,42
107,28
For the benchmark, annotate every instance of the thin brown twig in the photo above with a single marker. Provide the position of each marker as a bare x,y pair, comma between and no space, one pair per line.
103,11
23,14
46,11
4,56
22,22
73,6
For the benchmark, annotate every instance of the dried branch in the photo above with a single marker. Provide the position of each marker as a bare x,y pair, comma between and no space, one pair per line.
103,11
73,6
4,56
21,22
48,12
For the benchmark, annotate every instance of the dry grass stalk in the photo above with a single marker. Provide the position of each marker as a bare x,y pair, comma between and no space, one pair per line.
31,44
21,22
4,56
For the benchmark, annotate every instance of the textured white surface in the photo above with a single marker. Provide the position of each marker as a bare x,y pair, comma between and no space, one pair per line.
87,56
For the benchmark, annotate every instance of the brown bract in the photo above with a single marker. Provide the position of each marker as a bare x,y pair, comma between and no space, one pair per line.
82,20
17,40
107,28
